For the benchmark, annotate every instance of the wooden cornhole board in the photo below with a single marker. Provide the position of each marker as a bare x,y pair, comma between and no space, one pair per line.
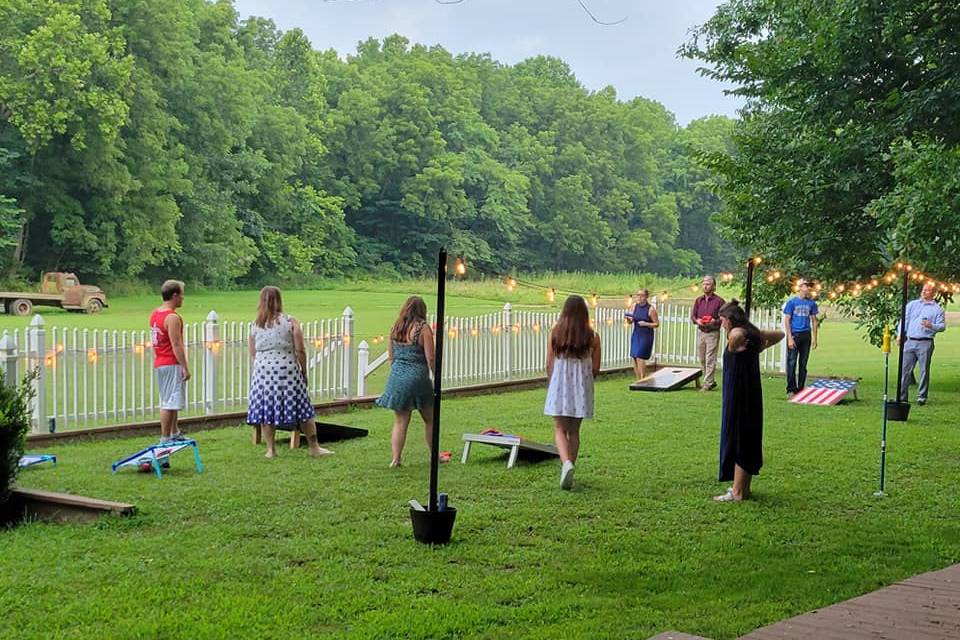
516,444
668,379
326,432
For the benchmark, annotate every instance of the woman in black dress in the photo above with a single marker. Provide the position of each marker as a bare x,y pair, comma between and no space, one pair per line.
741,427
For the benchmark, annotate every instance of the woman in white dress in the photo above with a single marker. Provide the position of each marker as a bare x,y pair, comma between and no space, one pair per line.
573,361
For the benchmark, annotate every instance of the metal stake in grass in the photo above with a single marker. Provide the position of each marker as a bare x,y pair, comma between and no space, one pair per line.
886,389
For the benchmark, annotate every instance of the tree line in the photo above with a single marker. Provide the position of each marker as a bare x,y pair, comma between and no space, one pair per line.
141,139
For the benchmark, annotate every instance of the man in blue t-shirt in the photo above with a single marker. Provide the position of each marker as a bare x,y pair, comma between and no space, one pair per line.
800,328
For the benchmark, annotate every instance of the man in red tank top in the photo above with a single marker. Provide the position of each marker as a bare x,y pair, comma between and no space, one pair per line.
170,358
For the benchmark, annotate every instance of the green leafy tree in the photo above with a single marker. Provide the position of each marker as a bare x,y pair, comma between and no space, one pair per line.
852,113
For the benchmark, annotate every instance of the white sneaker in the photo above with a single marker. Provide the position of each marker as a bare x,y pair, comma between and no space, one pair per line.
566,475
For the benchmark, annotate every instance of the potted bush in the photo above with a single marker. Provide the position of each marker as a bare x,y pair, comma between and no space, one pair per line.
14,424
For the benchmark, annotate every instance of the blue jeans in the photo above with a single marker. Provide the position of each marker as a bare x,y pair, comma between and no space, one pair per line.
797,375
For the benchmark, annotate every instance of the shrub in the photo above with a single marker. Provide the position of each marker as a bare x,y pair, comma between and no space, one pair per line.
14,424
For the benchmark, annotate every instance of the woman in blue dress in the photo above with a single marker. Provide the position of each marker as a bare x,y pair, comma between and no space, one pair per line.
411,363
645,320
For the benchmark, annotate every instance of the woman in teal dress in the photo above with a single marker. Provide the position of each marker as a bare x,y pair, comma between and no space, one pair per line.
411,364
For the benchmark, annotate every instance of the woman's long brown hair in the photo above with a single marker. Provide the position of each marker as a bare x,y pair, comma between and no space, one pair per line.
414,310
572,336
269,308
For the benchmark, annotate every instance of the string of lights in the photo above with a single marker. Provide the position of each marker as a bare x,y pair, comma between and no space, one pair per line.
856,287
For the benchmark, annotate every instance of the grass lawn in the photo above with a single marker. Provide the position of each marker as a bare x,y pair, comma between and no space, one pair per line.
296,547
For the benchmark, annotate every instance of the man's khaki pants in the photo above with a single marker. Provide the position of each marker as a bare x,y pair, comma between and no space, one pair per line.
707,344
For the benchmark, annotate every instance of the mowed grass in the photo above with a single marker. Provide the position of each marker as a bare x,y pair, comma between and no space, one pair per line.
374,312
296,547
375,302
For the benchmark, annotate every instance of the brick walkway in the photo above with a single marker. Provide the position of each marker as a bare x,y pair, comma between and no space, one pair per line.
925,607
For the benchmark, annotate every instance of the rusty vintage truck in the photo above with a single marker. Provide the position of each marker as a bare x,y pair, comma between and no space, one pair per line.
57,289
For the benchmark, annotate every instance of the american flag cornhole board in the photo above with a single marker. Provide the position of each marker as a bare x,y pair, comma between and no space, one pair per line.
825,391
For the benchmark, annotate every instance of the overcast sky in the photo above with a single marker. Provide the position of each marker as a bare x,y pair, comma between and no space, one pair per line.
637,57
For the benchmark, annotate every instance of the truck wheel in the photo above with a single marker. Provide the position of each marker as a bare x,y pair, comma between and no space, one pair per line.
94,306
20,307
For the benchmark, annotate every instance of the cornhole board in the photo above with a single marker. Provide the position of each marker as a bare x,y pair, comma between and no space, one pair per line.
825,392
326,432
156,454
668,379
30,459
516,444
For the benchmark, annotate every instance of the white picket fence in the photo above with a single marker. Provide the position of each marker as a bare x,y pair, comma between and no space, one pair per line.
96,377
512,344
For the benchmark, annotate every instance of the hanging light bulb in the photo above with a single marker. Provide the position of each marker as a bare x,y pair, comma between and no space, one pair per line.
511,283
551,294
758,260
459,267
593,300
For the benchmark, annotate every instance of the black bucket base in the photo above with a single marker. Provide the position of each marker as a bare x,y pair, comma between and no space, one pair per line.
433,527
898,411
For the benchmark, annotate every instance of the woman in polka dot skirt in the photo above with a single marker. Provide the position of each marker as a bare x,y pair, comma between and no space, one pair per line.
278,387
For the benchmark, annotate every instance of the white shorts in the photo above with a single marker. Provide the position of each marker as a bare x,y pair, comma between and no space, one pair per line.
170,379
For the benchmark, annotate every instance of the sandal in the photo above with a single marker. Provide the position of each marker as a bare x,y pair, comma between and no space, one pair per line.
727,497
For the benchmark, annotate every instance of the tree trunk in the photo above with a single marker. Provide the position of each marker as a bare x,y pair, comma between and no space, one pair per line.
19,250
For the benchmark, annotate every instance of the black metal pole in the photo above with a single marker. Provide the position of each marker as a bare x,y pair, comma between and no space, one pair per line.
437,377
902,334
749,295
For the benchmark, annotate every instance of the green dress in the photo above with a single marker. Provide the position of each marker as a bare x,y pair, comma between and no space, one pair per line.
408,386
